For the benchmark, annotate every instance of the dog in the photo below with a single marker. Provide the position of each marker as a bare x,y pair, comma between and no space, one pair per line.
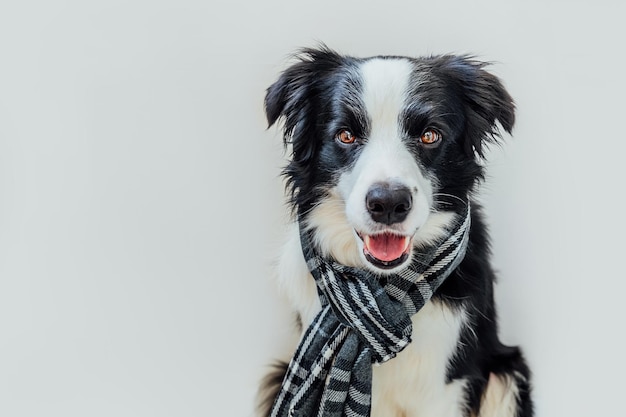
382,149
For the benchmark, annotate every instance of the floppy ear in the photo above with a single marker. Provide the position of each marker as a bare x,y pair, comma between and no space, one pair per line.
487,103
296,90
297,98
287,98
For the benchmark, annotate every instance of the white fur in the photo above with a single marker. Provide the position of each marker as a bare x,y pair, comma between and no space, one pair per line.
414,383
335,237
500,398
385,158
294,280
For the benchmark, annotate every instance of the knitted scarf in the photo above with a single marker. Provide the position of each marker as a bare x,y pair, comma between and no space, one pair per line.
365,319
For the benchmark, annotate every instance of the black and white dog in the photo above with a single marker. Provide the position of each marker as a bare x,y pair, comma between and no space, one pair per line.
382,148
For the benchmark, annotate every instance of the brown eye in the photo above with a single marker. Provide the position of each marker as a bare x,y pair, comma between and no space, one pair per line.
345,137
430,136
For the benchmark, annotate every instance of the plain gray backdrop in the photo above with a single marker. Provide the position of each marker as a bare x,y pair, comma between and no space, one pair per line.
141,206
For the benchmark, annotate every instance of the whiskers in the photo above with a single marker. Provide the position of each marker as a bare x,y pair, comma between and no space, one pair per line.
444,199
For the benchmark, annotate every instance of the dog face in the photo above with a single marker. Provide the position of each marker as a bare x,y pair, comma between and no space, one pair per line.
384,147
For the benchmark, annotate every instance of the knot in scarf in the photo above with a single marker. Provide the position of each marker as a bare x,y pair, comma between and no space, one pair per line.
365,319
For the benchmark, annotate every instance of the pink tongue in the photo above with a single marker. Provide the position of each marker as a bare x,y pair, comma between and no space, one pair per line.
386,247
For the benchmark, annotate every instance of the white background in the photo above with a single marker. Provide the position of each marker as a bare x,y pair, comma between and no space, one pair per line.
141,205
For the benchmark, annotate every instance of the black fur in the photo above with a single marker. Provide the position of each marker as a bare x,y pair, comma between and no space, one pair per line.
318,95
315,97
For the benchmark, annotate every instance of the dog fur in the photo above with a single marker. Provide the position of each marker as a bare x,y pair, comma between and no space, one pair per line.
356,127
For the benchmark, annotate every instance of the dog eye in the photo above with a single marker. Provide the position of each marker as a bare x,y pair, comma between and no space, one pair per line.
430,136
346,137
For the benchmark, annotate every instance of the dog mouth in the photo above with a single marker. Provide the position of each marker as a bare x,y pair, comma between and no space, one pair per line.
386,250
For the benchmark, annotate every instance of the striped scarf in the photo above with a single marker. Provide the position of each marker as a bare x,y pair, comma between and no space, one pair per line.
365,319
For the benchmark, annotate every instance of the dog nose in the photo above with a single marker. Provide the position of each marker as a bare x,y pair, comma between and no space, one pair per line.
388,203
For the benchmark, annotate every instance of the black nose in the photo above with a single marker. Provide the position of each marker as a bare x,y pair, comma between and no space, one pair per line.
388,203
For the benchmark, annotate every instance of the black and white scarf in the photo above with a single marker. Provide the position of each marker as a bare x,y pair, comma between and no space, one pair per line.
365,319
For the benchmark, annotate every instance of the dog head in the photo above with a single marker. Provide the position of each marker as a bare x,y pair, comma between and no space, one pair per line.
383,148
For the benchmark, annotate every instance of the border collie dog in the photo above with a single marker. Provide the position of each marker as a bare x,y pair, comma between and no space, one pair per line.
383,150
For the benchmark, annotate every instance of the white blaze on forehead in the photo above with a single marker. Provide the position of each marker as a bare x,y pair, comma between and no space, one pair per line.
385,86
384,156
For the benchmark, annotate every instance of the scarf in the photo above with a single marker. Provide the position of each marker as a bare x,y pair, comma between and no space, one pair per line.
365,319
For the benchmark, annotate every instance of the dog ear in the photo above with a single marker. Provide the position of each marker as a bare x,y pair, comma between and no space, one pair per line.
287,98
487,103
282,96
298,98
296,90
